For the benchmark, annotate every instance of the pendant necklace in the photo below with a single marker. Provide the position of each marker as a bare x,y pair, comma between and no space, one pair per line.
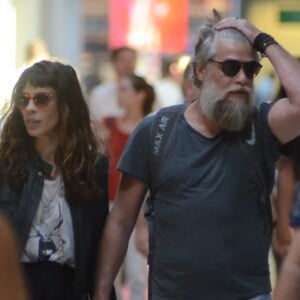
46,202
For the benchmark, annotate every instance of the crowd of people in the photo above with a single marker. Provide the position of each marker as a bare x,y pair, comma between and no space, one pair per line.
199,179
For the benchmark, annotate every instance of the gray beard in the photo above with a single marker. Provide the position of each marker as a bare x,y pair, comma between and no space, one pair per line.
230,115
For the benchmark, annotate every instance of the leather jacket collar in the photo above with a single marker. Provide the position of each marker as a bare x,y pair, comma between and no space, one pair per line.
42,166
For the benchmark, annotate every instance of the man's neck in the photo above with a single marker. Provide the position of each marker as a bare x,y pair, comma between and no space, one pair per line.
200,122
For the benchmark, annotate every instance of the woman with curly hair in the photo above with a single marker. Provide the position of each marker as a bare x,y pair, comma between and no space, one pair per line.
53,182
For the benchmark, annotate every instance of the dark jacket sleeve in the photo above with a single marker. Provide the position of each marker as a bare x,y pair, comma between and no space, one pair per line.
102,180
98,214
102,211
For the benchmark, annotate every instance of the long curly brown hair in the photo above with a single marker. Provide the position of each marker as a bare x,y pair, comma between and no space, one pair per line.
77,150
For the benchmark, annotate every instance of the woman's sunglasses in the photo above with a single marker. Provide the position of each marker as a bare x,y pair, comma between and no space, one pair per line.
40,100
231,67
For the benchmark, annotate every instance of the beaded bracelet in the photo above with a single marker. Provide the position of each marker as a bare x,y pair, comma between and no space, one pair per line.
262,41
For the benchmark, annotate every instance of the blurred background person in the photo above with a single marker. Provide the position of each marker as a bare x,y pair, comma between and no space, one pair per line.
168,88
136,98
286,237
103,98
35,51
288,285
265,88
53,182
12,283
283,197
88,72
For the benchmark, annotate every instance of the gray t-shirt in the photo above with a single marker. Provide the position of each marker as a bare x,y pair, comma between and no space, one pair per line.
209,225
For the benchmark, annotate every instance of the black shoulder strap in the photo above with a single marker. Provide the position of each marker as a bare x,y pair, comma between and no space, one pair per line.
161,132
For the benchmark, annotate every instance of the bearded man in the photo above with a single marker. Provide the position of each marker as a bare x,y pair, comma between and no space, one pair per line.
211,211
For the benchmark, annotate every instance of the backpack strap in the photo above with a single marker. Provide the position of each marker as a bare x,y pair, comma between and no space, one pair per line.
161,133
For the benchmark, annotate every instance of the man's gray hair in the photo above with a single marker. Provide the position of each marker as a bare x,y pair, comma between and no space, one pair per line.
205,47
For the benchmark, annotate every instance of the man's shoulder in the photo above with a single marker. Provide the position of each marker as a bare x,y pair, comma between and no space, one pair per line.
147,121
172,108
162,112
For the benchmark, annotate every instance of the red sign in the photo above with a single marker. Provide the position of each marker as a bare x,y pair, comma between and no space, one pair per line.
159,25
171,17
118,21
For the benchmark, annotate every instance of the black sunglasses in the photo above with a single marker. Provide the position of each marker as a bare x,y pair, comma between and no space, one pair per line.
40,100
231,67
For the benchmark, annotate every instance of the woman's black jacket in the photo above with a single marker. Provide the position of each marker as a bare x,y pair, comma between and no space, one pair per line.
88,217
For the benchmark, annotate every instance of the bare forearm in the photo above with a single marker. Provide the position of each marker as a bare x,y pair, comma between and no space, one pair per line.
282,204
288,286
117,231
112,252
285,189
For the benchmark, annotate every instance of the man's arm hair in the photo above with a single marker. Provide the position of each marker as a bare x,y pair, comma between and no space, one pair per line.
117,232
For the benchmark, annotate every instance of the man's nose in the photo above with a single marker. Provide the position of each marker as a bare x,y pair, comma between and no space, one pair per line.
241,77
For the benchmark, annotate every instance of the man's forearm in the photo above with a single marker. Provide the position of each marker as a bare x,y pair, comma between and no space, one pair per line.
112,251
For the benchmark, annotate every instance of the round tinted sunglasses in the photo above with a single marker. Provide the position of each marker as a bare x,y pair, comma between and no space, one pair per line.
231,67
40,100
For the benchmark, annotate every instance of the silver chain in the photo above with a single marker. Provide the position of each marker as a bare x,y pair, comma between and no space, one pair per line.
46,203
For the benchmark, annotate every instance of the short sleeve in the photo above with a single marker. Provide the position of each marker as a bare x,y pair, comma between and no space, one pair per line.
270,142
135,159
271,150
286,149
101,211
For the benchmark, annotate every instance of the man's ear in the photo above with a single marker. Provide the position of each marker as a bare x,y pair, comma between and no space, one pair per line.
201,72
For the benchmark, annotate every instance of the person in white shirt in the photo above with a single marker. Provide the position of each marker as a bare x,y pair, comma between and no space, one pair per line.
169,88
103,98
